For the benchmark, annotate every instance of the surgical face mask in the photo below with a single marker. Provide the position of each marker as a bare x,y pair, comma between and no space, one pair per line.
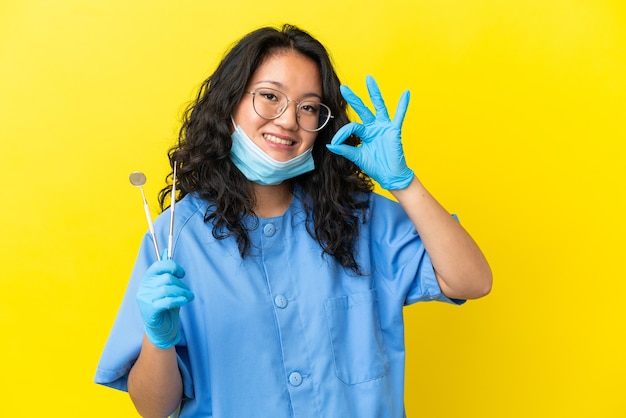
259,167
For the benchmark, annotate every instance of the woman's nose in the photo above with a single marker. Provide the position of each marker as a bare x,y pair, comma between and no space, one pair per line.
289,118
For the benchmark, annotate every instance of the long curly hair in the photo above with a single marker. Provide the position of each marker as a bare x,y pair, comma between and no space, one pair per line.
335,192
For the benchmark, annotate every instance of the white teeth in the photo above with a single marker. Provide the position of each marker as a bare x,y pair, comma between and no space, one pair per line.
277,140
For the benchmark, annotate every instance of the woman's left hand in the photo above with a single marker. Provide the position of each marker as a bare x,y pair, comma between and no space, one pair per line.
380,154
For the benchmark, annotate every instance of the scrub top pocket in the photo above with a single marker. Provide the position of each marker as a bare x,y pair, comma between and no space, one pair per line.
356,336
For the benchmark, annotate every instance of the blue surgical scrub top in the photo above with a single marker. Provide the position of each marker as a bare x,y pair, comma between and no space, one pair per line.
285,331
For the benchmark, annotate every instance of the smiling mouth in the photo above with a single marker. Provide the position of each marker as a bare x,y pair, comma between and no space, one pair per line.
277,140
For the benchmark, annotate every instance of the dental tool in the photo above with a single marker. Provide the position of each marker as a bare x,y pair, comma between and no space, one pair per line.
138,179
173,203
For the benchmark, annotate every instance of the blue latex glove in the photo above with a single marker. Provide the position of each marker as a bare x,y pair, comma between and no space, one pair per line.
160,295
380,154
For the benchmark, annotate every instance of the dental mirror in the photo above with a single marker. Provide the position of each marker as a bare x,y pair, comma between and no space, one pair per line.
138,179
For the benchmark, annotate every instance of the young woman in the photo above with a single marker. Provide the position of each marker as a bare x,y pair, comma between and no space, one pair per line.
285,292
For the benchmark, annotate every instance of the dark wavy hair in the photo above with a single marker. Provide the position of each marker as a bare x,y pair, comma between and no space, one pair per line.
335,193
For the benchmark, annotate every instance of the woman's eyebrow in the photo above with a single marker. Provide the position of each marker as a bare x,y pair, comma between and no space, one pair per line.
280,86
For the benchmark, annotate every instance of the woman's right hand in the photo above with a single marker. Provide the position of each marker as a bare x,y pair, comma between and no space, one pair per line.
160,296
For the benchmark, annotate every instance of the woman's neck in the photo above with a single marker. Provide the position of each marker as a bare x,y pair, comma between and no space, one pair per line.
273,201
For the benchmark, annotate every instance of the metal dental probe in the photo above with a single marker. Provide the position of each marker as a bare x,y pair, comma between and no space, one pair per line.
172,205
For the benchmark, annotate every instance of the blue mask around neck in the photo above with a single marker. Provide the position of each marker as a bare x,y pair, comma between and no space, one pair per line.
259,167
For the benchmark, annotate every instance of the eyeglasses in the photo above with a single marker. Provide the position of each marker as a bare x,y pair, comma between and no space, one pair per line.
270,104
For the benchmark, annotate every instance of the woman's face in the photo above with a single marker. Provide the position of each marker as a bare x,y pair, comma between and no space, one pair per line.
298,77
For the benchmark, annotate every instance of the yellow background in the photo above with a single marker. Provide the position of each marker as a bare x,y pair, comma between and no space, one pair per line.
517,123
